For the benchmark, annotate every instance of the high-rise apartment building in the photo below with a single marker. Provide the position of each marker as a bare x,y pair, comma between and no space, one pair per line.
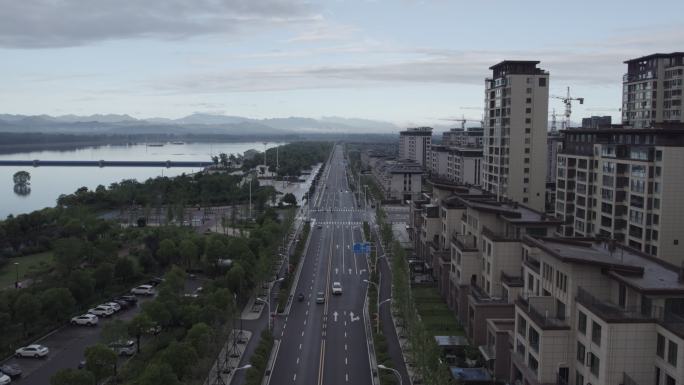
625,184
515,125
459,137
414,144
652,90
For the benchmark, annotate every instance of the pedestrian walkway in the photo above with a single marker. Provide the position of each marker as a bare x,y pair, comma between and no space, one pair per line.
229,358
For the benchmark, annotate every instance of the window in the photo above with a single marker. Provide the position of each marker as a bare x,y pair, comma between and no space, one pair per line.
660,346
622,295
528,100
534,339
669,380
582,323
657,376
580,353
596,333
522,326
542,82
579,379
532,363
672,353
594,364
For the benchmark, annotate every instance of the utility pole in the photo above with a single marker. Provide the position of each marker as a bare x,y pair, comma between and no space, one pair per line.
250,196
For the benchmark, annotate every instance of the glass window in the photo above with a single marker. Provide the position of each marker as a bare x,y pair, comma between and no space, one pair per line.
594,364
580,353
596,333
582,323
660,346
532,363
579,378
672,353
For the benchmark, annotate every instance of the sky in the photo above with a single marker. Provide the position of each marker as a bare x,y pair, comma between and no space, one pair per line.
403,61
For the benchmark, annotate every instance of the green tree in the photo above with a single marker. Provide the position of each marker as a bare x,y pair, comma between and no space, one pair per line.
103,275
26,310
181,357
158,373
289,199
124,270
82,285
100,361
158,313
22,177
116,330
167,252
72,377
235,277
68,253
199,336
188,252
138,326
57,304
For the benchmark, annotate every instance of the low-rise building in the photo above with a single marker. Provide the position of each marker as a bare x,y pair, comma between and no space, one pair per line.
457,164
463,137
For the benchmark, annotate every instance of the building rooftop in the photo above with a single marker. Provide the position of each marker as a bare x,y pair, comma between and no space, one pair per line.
422,131
510,211
654,56
635,269
515,67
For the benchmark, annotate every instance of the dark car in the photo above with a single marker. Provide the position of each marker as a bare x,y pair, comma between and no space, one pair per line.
123,303
13,371
82,364
155,281
131,299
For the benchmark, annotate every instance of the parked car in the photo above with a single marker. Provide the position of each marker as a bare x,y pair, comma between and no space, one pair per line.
143,290
123,348
101,311
34,351
13,371
113,305
82,364
131,299
5,379
337,288
320,297
154,330
123,303
85,319
155,281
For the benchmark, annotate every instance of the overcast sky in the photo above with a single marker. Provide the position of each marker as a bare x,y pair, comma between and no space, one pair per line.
409,62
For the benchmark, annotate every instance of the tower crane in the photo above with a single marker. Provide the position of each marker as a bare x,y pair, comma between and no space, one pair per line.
554,127
567,100
463,121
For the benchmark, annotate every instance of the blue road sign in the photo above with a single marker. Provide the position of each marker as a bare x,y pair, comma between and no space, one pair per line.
358,248
366,247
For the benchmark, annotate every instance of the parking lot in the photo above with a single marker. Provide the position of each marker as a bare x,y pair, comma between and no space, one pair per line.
68,344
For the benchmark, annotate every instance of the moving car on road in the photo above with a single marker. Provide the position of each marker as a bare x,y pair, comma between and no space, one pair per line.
320,297
34,351
13,371
143,290
101,311
337,288
85,319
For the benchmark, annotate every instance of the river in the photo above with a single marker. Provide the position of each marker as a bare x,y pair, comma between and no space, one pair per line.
48,183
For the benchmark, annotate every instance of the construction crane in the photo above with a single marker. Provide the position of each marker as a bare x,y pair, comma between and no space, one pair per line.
567,100
463,121
554,127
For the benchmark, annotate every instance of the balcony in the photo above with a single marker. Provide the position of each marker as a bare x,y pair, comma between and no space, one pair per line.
488,352
479,296
541,318
610,312
532,264
464,242
511,281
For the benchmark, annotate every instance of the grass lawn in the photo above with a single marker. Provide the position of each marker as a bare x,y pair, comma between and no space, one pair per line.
8,272
436,316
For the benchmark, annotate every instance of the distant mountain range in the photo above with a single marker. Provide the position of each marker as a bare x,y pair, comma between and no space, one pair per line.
198,123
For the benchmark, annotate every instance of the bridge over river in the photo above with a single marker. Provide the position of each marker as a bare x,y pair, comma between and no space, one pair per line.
104,163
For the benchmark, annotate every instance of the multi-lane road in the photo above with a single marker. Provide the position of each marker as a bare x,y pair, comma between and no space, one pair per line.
326,343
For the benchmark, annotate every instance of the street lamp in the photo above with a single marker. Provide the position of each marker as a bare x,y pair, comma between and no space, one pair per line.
268,302
396,373
245,367
377,305
16,281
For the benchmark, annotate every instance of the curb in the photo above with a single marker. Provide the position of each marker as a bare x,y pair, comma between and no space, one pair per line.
271,363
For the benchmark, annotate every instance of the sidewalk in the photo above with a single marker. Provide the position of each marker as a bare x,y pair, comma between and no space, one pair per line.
229,358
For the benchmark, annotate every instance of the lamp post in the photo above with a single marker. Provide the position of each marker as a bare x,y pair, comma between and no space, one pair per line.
396,373
268,302
16,281
377,304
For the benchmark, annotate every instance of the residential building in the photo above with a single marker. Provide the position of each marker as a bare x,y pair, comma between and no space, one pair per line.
652,90
597,122
593,312
463,137
624,184
399,179
457,164
414,144
515,132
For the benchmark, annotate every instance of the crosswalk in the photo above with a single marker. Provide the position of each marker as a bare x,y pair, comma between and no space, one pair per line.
337,211
350,223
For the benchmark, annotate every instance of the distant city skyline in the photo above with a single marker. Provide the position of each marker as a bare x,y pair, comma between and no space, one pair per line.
407,62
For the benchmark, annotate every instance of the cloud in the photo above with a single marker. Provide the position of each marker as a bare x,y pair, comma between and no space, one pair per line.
65,23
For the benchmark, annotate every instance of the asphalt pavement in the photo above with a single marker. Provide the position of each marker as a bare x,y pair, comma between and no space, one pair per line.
326,343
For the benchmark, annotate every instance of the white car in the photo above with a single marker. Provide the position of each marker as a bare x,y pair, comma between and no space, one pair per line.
34,351
102,311
85,319
336,288
113,305
4,379
143,290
